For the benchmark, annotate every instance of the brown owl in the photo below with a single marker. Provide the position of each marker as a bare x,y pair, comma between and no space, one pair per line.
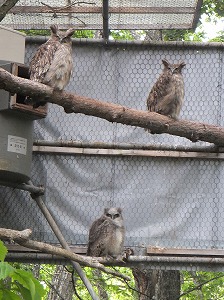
106,235
52,63
167,95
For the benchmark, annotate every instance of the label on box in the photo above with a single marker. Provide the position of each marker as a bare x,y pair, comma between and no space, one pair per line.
17,144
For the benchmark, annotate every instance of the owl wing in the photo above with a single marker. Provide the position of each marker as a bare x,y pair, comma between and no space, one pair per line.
60,70
98,236
158,91
42,60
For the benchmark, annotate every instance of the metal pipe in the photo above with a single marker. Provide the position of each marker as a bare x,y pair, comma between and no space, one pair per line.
124,146
176,259
23,186
64,244
117,43
148,261
105,14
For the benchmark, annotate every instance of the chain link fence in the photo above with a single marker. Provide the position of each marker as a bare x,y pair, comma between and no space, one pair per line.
166,202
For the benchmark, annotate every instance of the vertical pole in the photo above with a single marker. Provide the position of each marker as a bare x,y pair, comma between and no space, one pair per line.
106,20
63,242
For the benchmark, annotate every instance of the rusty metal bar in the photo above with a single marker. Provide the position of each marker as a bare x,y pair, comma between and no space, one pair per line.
105,13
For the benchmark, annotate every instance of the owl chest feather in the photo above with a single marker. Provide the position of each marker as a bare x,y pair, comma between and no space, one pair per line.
178,88
116,242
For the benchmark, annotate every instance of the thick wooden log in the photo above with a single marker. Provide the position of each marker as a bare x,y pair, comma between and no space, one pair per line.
73,103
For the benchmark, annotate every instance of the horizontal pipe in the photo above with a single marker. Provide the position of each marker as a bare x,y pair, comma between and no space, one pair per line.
102,145
52,150
148,44
148,261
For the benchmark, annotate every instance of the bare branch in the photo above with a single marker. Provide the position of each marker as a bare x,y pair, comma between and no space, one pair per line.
21,237
15,235
73,103
5,7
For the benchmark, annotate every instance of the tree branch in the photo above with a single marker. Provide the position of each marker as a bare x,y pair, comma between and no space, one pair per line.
5,7
21,237
73,103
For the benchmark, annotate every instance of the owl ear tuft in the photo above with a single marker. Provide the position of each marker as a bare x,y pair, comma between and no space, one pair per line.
70,32
54,28
182,64
106,210
165,62
119,209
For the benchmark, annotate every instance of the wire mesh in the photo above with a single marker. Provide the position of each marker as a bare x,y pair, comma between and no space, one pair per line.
125,14
166,202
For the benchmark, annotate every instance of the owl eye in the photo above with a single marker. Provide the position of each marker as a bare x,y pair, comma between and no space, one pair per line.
109,216
116,216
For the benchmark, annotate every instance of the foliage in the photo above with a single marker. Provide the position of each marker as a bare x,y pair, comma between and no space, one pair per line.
211,7
116,289
121,35
17,283
43,32
202,285
196,285
183,35
219,37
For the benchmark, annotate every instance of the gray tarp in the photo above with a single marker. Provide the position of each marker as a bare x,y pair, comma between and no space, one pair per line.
166,202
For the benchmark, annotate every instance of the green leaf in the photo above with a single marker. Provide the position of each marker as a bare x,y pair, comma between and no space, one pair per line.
23,291
29,282
3,251
6,270
10,295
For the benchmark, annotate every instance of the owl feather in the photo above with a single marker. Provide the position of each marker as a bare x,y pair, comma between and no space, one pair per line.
106,235
167,95
52,62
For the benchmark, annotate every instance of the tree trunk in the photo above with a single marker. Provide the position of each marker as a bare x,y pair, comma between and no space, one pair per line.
153,35
157,284
100,284
61,285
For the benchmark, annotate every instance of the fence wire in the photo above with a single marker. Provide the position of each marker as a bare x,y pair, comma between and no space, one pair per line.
166,202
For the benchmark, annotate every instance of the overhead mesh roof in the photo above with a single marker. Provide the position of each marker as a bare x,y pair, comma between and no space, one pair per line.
104,15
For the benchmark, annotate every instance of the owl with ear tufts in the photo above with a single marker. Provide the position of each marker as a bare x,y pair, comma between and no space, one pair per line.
106,235
52,62
167,95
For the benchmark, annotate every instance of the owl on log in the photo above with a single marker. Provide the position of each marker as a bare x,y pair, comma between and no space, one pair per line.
52,63
106,235
167,95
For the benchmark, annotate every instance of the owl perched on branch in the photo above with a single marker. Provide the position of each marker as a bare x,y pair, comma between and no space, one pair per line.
52,63
167,95
106,235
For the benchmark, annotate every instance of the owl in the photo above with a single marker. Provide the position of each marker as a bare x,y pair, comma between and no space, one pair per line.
106,235
52,63
167,95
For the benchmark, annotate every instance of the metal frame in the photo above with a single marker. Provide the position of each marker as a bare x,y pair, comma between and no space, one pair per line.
75,11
